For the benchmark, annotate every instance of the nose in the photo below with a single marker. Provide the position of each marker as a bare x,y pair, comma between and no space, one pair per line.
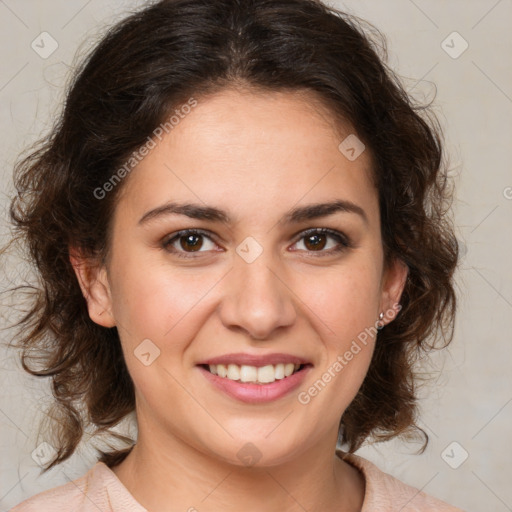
257,298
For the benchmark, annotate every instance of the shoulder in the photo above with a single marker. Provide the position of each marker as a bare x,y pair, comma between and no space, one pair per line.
98,490
385,492
70,494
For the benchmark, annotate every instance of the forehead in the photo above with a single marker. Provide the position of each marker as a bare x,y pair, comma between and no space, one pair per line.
247,150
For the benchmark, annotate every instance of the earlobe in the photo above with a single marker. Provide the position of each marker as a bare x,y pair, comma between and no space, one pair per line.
93,281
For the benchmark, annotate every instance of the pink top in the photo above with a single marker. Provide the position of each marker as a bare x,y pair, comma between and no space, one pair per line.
100,490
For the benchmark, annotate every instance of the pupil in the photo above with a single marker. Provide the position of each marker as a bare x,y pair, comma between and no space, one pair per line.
191,242
314,242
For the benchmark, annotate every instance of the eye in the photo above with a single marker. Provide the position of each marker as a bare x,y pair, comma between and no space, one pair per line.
324,241
189,241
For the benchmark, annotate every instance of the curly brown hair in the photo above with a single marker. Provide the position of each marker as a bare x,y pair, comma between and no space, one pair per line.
141,70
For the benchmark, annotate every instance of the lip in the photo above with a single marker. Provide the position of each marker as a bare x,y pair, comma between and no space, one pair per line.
255,360
257,393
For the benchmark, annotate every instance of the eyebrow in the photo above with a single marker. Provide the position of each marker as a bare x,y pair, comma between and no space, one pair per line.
296,215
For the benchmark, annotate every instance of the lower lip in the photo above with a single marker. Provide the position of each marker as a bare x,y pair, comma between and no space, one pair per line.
257,393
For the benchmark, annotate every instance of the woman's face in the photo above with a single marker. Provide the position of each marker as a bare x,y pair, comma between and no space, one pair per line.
256,288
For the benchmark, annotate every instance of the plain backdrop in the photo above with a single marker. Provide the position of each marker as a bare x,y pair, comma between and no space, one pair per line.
457,49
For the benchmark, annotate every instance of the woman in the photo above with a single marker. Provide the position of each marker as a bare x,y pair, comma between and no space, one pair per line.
240,227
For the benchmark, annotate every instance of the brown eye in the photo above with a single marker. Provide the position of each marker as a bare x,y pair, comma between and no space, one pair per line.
188,242
192,242
315,242
323,241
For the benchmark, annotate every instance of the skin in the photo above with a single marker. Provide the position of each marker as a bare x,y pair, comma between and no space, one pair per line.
255,156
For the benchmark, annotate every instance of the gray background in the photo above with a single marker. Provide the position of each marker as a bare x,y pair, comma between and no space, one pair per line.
469,400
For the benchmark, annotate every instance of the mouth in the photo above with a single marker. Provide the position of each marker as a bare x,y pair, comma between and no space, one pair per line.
255,379
260,375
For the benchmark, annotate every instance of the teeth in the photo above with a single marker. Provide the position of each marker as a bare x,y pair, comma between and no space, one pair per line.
279,371
222,371
248,374
266,374
260,375
288,369
233,372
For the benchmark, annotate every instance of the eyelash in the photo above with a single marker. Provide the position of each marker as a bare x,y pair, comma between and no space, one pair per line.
342,240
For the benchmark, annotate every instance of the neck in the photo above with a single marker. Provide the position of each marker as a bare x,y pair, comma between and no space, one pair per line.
188,479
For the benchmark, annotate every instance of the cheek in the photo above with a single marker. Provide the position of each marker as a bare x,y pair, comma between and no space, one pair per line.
345,307
345,299
164,305
150,300
152,303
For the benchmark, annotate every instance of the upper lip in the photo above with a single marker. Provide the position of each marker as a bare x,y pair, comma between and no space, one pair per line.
255,360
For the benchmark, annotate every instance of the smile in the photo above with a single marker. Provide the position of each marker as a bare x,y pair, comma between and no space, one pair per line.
255,379
253,374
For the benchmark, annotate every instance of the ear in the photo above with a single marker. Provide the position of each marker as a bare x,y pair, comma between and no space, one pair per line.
393,283
95,287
